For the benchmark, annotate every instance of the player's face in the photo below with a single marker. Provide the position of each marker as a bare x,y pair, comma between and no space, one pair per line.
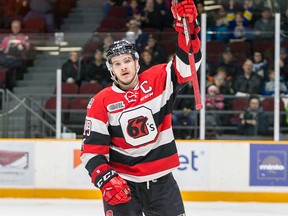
124,68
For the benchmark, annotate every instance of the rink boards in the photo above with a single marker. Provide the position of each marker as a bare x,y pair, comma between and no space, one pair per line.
209,170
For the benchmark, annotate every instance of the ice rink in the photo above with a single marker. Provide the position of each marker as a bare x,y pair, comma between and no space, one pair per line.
63,207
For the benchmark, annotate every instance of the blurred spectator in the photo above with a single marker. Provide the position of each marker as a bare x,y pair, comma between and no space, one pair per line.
259,5
165,12
96,70
247,82
107,41
159,53
264,27
42,9
146,60
142,3
185,116
151,17
228,62
218,31
14,49
214,101
224,84
71,69
106,5
269,85
238,21
135,35
200,9
253,121
134,10
260,64
222,81
284,64
284,26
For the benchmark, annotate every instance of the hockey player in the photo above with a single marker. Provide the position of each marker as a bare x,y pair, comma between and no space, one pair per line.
128,147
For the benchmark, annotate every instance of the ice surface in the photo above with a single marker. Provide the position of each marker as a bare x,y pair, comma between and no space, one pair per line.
71,207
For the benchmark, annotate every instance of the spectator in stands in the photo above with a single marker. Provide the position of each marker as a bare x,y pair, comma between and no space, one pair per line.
146,60
42,9
106,5
218,31
253,121
135,35
165,12
71,69
214,101
260,64
134,10
184,114
269,85
284,64
96,70
151,17
228,62
222,81
247,82
14,49
107,41
239,22
200,9
264,27
159,53
224,84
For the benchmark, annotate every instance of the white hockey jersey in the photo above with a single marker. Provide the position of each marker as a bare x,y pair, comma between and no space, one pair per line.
132,130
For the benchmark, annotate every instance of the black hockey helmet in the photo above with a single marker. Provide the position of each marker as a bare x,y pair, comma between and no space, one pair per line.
121,47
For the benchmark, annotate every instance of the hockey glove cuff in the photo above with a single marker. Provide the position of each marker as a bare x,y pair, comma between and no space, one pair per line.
114,189
194,40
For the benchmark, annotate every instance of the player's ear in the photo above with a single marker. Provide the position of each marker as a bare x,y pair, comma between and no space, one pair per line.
137,65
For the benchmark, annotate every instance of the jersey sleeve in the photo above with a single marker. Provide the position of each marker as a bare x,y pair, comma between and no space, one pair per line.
96,139
181,65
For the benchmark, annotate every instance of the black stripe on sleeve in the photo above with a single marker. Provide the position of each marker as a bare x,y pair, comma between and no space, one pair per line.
95,162
97,138
182,55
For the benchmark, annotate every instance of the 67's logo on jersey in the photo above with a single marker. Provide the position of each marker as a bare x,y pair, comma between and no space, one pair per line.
138,126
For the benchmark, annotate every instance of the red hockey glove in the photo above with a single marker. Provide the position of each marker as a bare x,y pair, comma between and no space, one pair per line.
194,27
185,9
114,189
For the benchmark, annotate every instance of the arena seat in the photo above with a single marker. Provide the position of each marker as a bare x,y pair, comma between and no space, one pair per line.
90,47
117,11
242,47
90,88
2,78
50,103
70,88
238,105
36,23
78,108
